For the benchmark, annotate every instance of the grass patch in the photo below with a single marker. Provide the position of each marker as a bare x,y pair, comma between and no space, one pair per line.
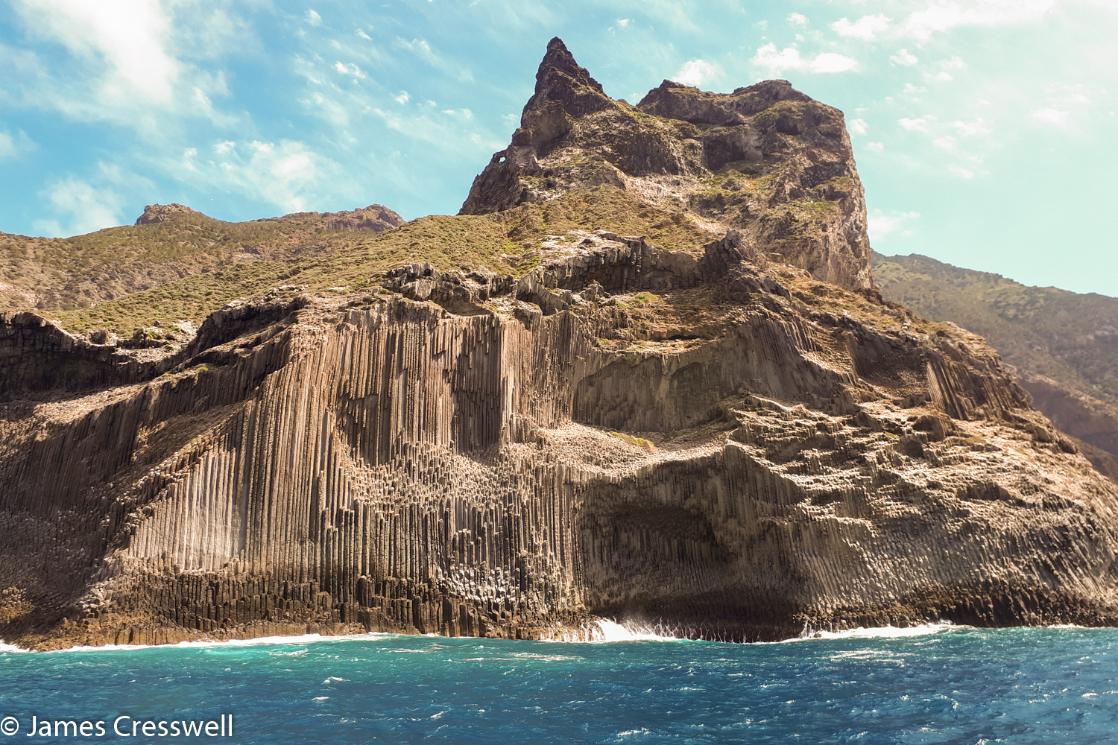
646,445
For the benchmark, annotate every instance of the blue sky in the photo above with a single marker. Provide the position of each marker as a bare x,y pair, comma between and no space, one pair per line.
985,130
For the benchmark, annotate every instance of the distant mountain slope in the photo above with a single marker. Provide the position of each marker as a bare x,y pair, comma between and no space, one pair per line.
1064,344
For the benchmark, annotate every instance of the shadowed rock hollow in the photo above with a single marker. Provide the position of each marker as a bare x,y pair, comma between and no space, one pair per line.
722,431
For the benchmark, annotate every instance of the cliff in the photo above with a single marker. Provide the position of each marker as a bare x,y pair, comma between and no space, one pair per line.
765,160
1063,344
589,401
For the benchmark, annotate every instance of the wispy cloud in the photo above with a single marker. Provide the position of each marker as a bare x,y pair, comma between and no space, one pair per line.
695,72
777,61
14,144
79,207
961,144
286,173
422,49
1063,105
886,225
945,15
866,28
125,62
904,58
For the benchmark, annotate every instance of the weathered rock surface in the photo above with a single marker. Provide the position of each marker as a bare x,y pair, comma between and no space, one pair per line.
157,213
765,160
713,441
1063,344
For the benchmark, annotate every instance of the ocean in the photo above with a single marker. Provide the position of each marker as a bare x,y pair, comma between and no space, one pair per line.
930,684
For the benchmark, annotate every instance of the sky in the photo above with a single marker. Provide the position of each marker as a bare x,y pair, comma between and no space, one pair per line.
984,130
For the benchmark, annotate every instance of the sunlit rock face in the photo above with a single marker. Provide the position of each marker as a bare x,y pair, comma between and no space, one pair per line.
733,440
765,160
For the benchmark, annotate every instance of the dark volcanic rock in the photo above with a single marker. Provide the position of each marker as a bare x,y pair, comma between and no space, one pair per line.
700,436
765,160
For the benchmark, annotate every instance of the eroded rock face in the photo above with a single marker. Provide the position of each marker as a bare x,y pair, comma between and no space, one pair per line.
765,160
157,213
711,440
512,457
375,218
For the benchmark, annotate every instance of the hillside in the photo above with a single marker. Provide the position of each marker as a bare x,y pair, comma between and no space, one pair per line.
78,279
644,375
1063,344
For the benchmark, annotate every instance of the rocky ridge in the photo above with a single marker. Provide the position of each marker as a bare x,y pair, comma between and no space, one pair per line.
168,242
686,425
1063,344
765,160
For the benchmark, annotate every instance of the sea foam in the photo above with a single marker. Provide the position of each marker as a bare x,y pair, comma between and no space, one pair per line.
878,632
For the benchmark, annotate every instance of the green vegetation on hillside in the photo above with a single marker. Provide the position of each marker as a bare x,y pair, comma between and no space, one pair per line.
1062,335
288,252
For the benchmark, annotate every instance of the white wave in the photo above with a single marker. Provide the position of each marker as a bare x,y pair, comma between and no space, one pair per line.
259,641
607,631
879,632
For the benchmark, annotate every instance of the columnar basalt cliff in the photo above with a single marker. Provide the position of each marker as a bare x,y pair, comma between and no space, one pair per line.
702,423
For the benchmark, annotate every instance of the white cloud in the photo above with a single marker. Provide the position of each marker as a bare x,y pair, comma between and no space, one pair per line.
945,15
623,22
797,19
695,72
1052,117
915,124
789,59
132,63
877,147
904,58
422,49
945,70
79,207
959,145
312,17
883,225
1063,105
129,38
858,126
349,69
287,173
866,28
973,128
14,145
402,97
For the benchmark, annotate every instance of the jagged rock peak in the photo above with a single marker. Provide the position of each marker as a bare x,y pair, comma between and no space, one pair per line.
156,213
558,60
766,160
562,85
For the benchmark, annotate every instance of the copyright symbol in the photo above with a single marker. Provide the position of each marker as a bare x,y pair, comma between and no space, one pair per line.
9,726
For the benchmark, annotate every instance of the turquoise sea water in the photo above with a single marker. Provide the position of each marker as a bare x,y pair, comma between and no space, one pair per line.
943,686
